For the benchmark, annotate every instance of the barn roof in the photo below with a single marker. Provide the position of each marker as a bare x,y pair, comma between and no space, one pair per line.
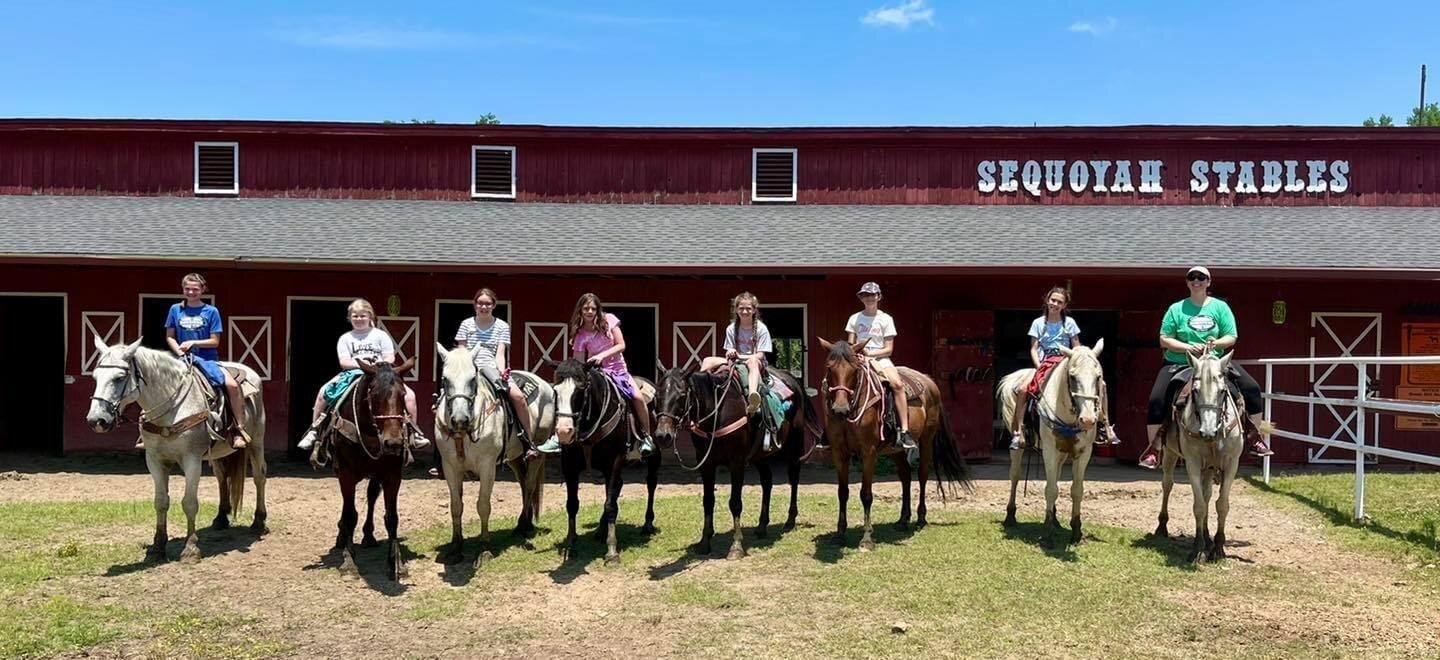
678,238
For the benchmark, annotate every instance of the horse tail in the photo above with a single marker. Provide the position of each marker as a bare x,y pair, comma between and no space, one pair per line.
234,466
949,464
1004,392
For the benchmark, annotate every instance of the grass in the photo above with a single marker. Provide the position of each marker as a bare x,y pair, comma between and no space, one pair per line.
52,626
1403,508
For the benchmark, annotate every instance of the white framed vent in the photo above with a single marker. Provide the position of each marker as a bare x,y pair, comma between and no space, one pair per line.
217,168
492,172
772,175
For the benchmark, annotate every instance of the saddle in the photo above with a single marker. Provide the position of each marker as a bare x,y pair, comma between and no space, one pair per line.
219,423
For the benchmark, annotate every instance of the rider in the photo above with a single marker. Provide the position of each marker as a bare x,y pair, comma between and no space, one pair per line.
747,340
363,343
877,330
1193,326
1048,332
598,340
193,329
488,339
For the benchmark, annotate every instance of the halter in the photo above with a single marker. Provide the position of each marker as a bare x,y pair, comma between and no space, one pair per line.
450,397
713,417
1222,409
132,385
867,380
585,436
1069,429
355,411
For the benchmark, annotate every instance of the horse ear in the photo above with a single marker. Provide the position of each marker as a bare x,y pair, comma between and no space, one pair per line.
1225,361
824,344
1065,350
366,367
405,366
858,347
440,350
130,350
1099,346
1190,358
99,345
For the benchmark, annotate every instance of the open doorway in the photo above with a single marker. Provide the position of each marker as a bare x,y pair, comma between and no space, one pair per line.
641,324
313,327
32,400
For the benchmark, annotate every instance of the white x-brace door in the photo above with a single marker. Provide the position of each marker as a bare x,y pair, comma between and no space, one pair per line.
1341,334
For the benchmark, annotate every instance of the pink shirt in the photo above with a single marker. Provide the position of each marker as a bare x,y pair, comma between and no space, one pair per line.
588,342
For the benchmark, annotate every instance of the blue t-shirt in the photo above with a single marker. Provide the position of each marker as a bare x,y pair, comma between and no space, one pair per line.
1053,335
194,324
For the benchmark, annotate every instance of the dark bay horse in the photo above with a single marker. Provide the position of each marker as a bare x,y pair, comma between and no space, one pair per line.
367,439
856,398
593,422
712,409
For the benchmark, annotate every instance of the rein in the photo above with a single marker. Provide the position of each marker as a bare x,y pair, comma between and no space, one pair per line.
714,417
182,393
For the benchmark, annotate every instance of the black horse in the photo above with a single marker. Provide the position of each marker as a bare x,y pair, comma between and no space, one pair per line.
592,418
712,409
368,439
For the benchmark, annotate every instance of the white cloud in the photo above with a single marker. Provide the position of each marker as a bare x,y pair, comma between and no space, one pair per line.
1095,28
900,16
351,35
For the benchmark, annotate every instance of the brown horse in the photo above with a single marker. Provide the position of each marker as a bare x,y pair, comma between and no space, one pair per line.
712,408
367,439
855,395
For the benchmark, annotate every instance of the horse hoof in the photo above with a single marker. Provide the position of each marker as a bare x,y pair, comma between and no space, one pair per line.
612,560
1077,539
867,545
736,553
450,557
190,555
1196,557
1217,553
369,542
156,554
1161,532
347,565
1009,521
399,572
483,558
258,528
789,525
648,530
220,522
702,548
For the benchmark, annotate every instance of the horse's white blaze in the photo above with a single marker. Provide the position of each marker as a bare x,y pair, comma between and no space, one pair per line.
564,416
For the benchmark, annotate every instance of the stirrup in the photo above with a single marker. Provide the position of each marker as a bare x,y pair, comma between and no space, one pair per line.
905,441
1150,459
752,405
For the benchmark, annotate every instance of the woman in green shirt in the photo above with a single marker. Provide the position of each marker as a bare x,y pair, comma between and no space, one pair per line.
1193,326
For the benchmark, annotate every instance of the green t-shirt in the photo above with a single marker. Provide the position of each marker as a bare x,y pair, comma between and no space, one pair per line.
1193,324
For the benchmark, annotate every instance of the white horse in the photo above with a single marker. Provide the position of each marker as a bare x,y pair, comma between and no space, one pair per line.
1208,435
1068,409
471,432
175,433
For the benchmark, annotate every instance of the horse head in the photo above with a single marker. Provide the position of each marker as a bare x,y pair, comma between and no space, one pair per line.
1086,382
1210,394
842,374
672,403
385,395
572,385
459,389
116,385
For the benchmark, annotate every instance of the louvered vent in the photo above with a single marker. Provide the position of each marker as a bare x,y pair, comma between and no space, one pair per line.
216,167
493,172
774,171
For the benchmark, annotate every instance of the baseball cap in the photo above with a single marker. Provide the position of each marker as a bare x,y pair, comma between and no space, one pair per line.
869,287
1198,269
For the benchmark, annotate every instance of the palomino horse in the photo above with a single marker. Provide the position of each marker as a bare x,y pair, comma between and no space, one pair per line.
472,430
1207,434
856,398
367,439
712,408
175,416
1067,408
592,421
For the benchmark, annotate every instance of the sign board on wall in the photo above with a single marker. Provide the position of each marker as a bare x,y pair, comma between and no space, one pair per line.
1420,382
1145,176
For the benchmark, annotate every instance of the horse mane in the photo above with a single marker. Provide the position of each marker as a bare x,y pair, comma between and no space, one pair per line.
385,379
841,351
459,364
570,368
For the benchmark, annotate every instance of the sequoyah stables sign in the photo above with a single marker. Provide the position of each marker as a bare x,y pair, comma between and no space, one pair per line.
1225,177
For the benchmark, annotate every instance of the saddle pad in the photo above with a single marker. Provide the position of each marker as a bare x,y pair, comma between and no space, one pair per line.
914,387
528,384
336,391
644,388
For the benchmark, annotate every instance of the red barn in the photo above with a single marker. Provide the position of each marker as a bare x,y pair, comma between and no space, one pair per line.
1322,239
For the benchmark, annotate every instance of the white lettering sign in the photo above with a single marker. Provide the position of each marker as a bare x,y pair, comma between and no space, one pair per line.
1038,178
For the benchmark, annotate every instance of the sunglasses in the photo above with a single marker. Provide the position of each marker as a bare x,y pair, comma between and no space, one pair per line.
1196,277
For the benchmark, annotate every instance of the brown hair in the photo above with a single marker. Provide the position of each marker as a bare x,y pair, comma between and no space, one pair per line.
196,278
577,318
735,302
1044,302
485,291
361,305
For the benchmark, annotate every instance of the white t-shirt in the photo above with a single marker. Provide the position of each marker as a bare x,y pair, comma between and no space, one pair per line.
484,343
871,329
748,341
368,346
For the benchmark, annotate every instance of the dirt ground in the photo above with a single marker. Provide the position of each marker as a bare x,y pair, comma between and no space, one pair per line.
319,612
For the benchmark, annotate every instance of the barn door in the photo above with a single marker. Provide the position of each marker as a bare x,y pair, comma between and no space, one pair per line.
962,364
1341,334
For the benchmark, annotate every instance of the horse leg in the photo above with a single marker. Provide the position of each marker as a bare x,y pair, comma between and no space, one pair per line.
531,476
349,515
927,455
1167,482
191,465
1206,489
902,468
1051,455
707,503
767,481
794,473
392,523
222,481
1195,471
1222,508
258,469
737,505
867,496
372,495
652,479
841,457
572,461
161,476
482,507
615,479
1017,457
1077,491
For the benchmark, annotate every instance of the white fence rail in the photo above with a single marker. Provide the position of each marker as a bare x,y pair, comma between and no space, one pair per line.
1364,405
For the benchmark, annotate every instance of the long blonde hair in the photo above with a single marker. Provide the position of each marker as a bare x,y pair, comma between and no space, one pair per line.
735,302
361,305
577,318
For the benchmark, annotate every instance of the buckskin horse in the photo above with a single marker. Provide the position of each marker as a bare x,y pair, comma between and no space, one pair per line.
175,428
473,431
1065,427
367,438
855,395
1206,432
712,409
592,421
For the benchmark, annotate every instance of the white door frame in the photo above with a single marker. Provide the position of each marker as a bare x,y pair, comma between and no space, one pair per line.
290,322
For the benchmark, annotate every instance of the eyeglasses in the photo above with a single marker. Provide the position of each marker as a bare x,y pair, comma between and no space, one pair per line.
484,304
1196,277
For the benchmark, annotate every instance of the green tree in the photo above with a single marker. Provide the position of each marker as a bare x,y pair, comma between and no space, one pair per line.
1426,116
488,119
1385,121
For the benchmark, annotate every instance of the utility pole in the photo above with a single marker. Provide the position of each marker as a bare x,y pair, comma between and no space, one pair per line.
1422,90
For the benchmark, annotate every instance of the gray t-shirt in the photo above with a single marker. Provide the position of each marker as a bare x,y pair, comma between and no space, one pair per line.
748,341
484,343
369,346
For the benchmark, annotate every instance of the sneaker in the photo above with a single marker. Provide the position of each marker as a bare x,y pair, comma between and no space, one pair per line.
1017,441
240,440
551,446
647,446
140,443
753,405
1110,433
1150,460
906,441
768,443
1258,448
309,440
419,441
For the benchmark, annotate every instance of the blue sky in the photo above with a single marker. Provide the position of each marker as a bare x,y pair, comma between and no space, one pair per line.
733,63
